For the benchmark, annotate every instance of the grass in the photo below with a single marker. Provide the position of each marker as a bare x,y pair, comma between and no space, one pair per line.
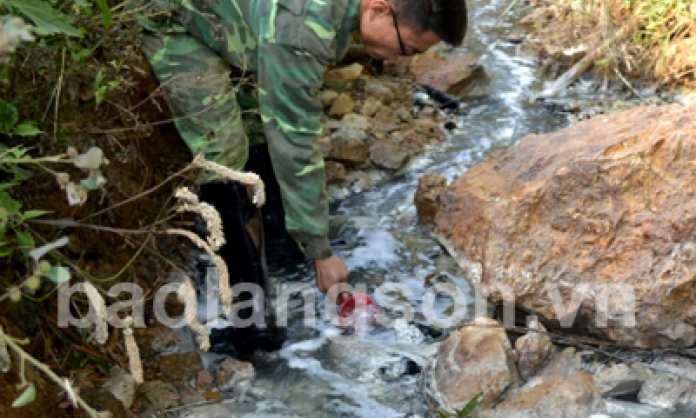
653,40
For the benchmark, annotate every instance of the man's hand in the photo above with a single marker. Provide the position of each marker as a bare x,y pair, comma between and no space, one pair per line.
330,271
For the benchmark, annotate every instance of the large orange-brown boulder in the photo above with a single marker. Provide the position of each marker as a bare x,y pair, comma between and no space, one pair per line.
591,227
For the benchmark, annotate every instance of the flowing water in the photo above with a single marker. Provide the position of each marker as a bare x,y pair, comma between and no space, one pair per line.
321,373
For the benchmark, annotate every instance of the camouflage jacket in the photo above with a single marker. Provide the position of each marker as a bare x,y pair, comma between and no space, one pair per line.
288,44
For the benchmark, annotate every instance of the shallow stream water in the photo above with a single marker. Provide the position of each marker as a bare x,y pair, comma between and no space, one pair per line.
321,373
317,376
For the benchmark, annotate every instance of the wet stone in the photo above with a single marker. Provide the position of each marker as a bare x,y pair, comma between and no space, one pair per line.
180,367
269,408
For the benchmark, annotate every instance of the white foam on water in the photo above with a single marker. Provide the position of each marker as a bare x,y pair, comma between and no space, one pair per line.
378,251
363,405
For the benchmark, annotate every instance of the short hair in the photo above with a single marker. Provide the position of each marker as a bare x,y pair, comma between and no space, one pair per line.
447,18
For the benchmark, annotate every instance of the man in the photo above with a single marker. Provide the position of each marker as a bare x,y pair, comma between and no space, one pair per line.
288,45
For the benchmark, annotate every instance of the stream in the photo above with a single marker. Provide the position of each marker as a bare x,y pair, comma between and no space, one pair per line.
321,373
381,241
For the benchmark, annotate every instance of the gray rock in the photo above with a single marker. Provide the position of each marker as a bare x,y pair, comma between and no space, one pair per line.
619,379
573,396
564,364
532,349
476,358
235,375
269,408
666,390
380,91
360,121
122,386
388,155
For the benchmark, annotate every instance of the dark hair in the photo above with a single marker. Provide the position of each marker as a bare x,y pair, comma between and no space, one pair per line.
447,18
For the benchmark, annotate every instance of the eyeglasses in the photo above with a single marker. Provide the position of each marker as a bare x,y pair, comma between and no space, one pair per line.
398,35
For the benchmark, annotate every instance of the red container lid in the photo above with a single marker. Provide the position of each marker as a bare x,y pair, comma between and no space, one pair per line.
357,305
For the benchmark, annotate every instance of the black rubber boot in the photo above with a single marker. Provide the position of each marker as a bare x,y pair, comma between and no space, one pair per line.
244,255
281,248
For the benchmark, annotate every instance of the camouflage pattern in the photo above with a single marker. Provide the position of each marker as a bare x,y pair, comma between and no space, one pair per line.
287,45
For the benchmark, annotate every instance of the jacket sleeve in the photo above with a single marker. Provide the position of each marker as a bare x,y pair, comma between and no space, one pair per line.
289,79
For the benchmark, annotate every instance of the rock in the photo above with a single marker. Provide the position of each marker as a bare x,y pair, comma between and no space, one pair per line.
335,172
561,365
379,90
155,339
190,396
180,367
269,408
539,16
620,379
358,181
235,375
532,349
574,396
453,74
370,107
352,131
154,397
204,379
600,212
328,97
122,386
476,358
428,126
388,155
343,105
103,400
351,152
325,146
360,122
666,390
402,115
343,78
426,199
350,72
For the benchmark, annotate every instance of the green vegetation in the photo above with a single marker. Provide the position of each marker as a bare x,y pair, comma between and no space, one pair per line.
653,40
467,410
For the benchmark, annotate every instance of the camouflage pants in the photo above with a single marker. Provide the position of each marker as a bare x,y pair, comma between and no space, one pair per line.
214,105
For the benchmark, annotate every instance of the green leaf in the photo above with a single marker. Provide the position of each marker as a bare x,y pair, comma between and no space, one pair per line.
26,397
106,13
100,94
46,18
98,79
25,240
59,274
5,251
9,203
443,414
31,214
470,406
8,116
26,129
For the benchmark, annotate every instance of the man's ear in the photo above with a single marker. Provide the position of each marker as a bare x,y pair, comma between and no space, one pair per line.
377,9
